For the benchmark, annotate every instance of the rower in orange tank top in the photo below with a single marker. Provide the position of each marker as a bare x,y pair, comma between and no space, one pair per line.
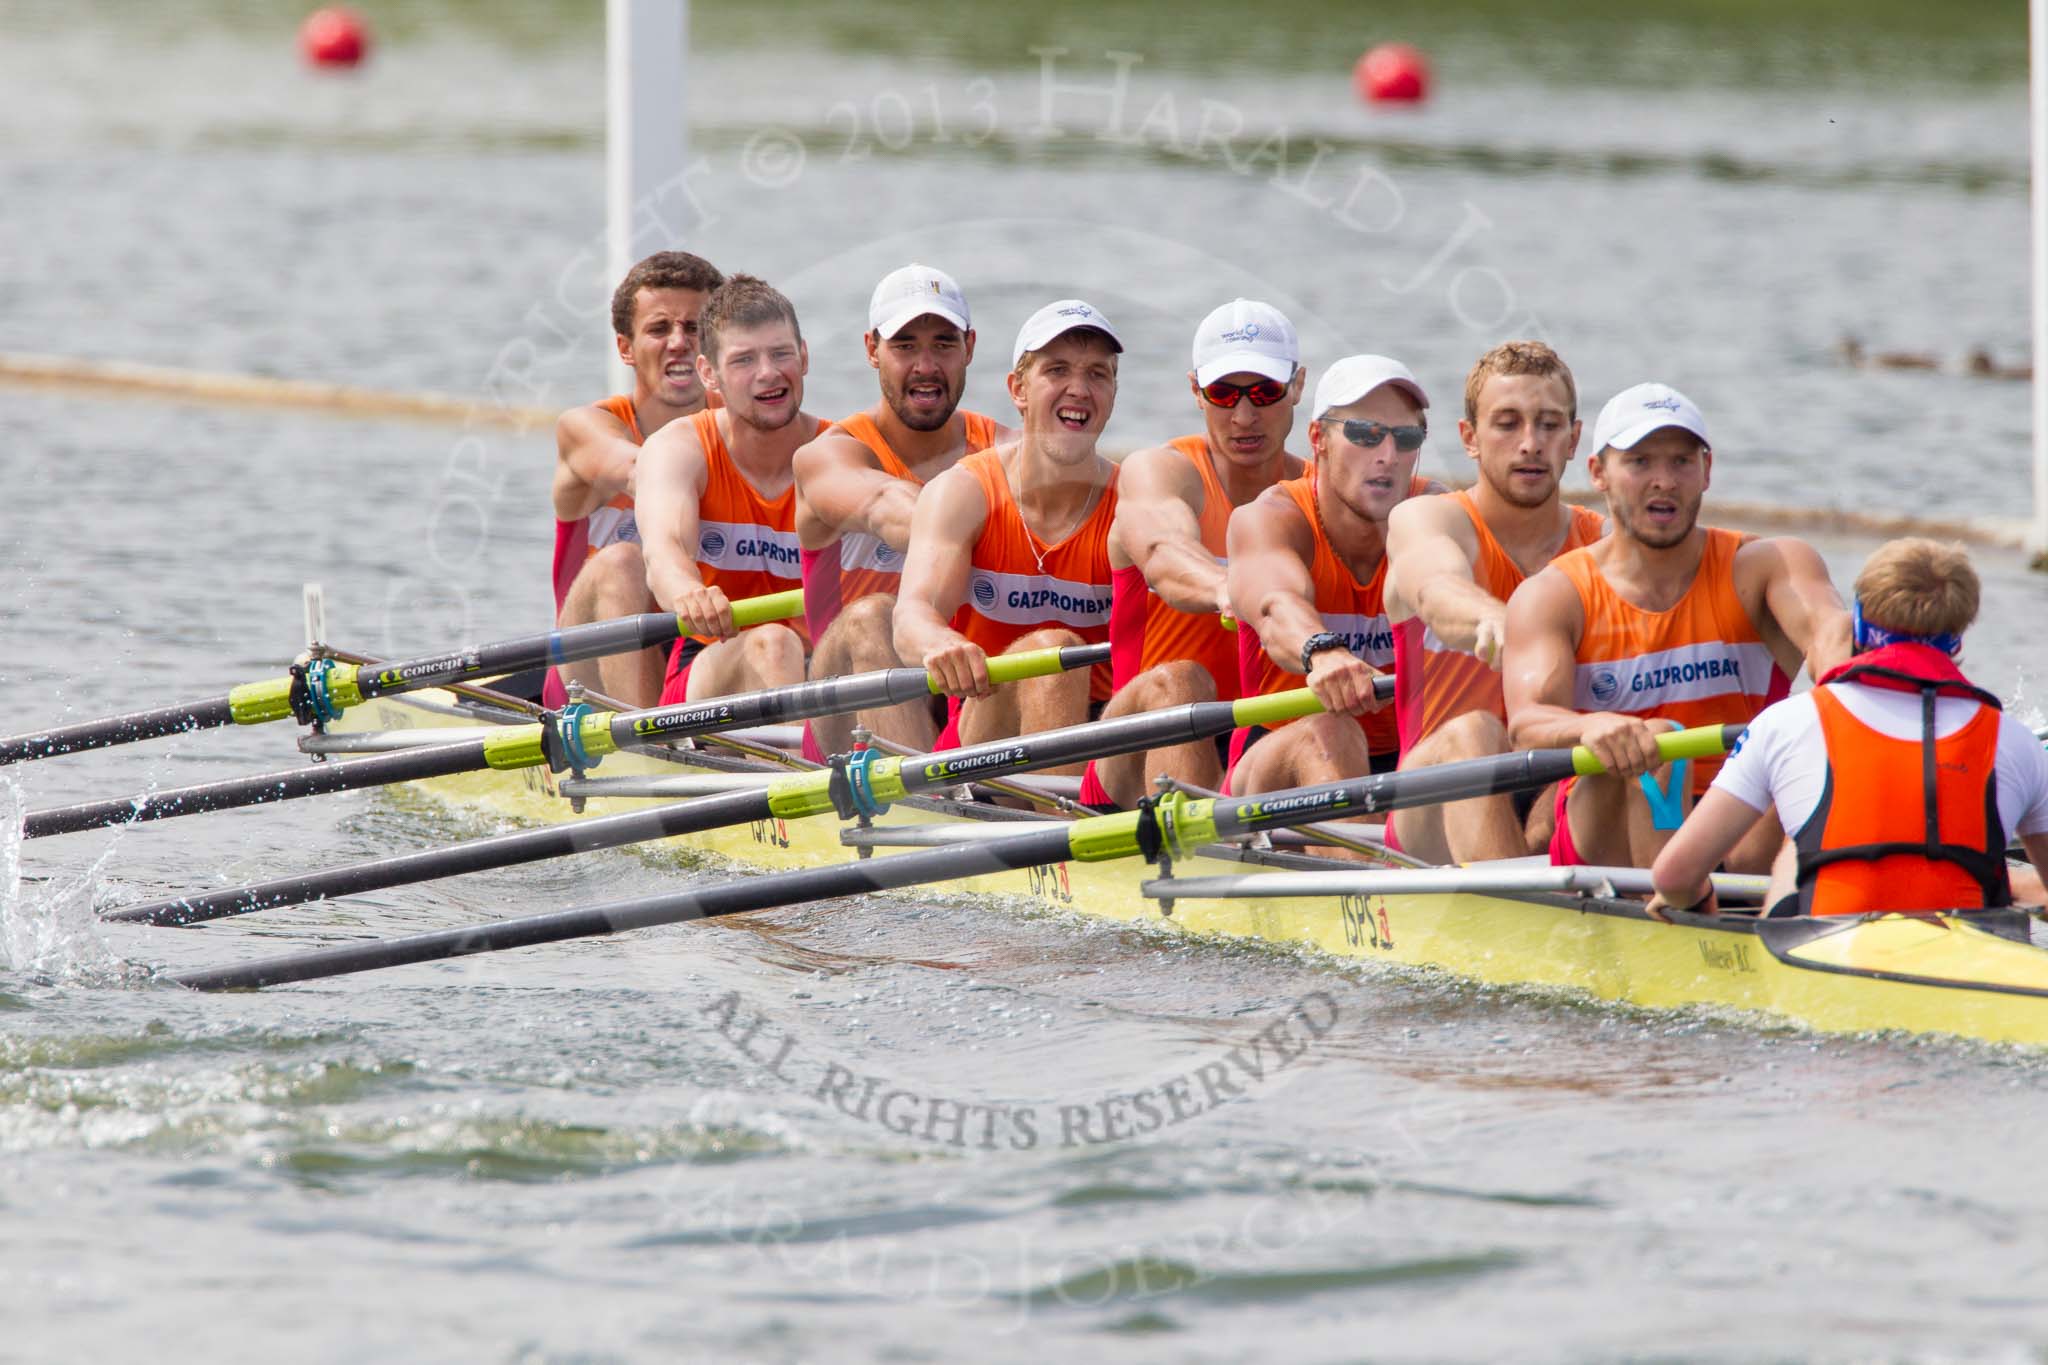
1144,631
1660,624
980,580
746,543
859,563
1308,574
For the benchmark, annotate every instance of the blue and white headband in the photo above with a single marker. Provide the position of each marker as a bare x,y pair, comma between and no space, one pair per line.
1869,637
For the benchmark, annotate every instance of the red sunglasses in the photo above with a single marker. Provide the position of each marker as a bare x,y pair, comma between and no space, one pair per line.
1263,394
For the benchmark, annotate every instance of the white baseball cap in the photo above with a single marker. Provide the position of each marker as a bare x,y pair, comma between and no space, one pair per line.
1057,319
909,293
1246,335
1355,376
1635,412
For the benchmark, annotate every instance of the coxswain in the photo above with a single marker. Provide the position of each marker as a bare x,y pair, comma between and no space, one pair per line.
599,573
1170,631
1308,576
1452,563
718,501
1660,624
1009,549
1896,780
857,485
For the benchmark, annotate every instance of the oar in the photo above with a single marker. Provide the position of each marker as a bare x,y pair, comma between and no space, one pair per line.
1177,825
792,797
325,689
578,740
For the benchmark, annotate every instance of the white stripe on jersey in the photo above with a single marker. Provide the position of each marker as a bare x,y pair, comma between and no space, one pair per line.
1371,638
1018,599
738,545
610,525
1688,673
859,550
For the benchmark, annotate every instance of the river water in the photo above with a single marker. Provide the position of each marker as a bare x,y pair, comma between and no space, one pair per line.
561,1154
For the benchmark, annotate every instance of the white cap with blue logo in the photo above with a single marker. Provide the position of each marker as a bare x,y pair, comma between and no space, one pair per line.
1057,319
1635,412
1246,336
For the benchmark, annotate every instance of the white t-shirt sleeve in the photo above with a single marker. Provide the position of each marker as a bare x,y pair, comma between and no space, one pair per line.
2023,779
1768,750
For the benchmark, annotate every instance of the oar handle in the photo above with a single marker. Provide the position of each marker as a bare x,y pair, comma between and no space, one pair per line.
1038,663
1705,741
774,606
1277,708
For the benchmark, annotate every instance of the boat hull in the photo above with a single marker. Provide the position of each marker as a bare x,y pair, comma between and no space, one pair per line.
1918,974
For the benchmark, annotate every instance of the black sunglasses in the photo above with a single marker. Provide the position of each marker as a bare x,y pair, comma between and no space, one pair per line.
1360,432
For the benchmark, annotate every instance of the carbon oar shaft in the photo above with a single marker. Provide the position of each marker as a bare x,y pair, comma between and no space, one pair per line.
794,797
1177,824
347,685
526,746
728,898
128,729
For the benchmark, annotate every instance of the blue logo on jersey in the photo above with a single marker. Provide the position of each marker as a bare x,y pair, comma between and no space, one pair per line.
1606,687
886,555
710,543
984,592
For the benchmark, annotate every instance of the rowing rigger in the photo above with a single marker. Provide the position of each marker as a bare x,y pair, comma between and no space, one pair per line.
1174,826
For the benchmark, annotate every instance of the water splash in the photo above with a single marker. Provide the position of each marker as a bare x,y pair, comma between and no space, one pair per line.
47,929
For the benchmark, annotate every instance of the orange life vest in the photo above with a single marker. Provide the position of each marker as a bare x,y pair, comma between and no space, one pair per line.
1868,846
1145,631
746,544
858,564
1354,611
1703,662
1017,583
1433,683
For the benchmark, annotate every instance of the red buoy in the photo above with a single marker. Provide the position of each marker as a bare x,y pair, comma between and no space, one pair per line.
1392,73
334,37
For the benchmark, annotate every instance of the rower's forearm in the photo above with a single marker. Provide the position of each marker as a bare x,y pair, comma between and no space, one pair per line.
668,579
919,630
1546,727
1186,580
1452,610
1285,622
888,516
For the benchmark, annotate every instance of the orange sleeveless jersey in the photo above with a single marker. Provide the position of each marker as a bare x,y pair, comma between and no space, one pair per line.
746,544
576,541
1354,611
1701,663
1018,583
858,564
1434,684
1145,632
1865,813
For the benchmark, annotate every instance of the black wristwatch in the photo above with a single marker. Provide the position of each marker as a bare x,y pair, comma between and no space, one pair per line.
1316,644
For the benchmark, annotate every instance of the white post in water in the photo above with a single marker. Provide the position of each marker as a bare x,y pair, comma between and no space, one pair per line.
2037,63
645,134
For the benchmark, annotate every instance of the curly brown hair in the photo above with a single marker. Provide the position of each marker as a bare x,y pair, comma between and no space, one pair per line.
1519,357
662,270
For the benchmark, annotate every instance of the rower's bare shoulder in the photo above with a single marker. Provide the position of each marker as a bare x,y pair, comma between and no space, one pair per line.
1544,601
1158,472
1272,518
586,422
834,448
1427,516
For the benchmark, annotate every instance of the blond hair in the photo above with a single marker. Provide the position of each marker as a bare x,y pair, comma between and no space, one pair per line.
1519,357
1919,587
1022,369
